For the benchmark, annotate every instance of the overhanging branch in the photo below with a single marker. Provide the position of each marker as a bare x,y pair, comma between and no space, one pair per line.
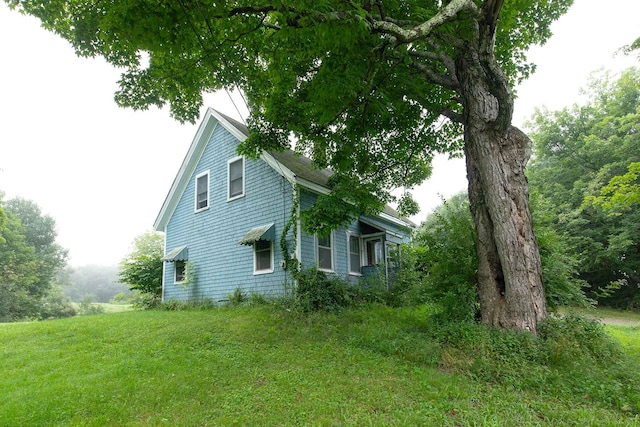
436,77
408,35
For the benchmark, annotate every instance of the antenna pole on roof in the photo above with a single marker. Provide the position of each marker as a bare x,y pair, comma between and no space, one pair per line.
234,104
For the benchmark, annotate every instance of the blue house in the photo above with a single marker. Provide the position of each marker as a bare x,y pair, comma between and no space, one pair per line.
225,215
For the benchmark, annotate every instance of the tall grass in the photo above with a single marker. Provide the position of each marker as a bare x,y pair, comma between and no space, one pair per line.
266,366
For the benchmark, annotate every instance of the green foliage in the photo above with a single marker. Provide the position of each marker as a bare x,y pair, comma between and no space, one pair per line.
584,153
193,304
87,306
573,355
444,261
142,269
360,88
449,259
56,305
238,297
620,193
317,291
30,260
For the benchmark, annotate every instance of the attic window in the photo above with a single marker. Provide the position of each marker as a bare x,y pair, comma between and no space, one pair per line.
235,173
202,191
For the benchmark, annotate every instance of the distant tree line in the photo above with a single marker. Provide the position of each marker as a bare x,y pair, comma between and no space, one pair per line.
97,282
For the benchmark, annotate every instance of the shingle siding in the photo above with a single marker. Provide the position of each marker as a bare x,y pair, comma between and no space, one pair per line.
340,242
221,263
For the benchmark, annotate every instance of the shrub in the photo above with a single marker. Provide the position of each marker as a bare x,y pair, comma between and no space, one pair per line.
448,258
571,356
318,292
237,297
87,307
55,305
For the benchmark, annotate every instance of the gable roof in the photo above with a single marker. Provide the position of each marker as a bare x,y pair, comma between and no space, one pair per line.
296,168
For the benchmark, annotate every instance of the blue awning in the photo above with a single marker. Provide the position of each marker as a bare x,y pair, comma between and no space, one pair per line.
265,232
177,254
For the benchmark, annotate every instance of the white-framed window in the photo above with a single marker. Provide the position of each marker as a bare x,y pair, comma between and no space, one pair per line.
202,191
180,271
262,257
355,254
235,178
324,252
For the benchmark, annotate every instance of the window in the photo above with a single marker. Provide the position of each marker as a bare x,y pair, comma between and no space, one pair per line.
325,253
235,172
373,249
393,255
354,254
180,271
263,256
202,191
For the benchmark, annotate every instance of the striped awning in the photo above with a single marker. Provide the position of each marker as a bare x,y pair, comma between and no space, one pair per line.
178,254
265,232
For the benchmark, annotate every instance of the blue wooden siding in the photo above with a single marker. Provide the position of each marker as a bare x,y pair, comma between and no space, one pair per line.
221,264
308,249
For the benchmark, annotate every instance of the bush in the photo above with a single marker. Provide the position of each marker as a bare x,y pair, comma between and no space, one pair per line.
55,305
318,292
448,258
87,307
571,356
144,301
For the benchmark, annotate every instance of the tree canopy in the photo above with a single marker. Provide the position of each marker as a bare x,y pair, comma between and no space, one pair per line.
362,86
30,259
141,269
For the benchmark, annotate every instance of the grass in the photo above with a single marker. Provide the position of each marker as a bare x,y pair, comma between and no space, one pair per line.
113,308
263,366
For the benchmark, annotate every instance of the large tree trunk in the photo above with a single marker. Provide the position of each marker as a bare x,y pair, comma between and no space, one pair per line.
509,274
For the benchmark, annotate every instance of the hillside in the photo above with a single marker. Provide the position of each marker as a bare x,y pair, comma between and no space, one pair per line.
266,366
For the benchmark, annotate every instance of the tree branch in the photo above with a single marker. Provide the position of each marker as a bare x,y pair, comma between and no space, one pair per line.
446,14
446,60
435,77
452,115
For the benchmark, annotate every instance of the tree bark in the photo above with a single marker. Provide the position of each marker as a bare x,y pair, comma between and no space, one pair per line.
509,273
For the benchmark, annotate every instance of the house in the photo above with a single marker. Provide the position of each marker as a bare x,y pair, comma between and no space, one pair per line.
224,217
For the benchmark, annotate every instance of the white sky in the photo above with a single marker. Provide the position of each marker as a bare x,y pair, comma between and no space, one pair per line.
103,172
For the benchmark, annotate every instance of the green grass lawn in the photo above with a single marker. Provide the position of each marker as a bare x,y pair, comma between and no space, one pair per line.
264,366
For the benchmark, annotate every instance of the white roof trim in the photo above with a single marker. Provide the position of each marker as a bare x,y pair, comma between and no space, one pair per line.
395,220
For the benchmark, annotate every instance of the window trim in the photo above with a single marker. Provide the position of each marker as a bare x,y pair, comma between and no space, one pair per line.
351,234
332,251
195,192
229,162
255,259
175,272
